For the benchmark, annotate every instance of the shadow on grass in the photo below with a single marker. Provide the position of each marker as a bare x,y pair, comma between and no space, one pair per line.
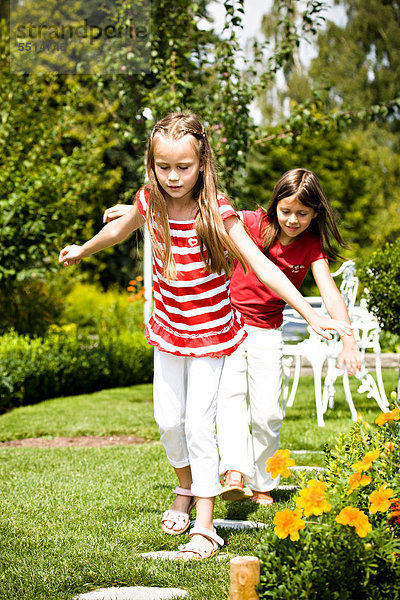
240,510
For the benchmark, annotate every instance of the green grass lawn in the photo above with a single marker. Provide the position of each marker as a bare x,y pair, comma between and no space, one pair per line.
74,519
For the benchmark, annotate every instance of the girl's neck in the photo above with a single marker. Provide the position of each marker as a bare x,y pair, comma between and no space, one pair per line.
285,240
179,210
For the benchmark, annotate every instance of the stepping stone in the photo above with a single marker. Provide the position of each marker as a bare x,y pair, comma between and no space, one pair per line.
169,555
308,468
307,451
236,524
133,593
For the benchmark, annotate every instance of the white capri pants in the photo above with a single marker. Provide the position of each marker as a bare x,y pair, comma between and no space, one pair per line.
185,406
251,375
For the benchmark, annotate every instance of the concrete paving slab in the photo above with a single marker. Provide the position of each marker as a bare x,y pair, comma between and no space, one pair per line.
169,555
237,524
308,468
306,452
133,593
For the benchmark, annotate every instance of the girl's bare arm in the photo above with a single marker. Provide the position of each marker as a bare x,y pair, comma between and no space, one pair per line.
115,212
336,307
113,233
271,276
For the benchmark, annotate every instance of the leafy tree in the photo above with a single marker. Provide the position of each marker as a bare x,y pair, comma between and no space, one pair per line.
52,139
359,180
360,62
190,70
341,138
285,26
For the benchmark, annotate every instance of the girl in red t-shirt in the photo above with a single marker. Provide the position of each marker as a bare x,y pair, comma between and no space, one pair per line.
193,327
292,233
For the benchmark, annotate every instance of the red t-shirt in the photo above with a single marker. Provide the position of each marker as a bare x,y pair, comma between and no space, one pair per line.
259,305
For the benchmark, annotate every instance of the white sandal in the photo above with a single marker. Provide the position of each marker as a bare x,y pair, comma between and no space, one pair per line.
202,553
182,519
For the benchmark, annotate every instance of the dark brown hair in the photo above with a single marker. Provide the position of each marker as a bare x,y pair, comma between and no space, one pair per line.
306,188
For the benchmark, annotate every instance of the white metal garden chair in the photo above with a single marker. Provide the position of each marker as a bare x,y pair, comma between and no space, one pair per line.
318,350
366,331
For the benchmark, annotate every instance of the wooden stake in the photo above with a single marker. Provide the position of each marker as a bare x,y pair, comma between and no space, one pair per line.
245,575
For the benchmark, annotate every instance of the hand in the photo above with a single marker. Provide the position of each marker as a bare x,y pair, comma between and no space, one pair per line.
119,210
349,358
322,324
70,255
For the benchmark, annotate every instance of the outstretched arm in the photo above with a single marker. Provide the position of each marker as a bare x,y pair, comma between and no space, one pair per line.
113,233
336,307
115,212
271,276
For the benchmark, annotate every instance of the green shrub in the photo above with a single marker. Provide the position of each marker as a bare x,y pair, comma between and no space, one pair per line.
32,306
90,307
325,559
67,362
327,565
381,276
389,342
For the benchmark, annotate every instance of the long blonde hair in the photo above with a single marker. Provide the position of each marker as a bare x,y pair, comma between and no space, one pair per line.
209,225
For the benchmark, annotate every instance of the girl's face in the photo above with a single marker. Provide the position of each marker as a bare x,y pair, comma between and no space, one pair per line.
177,167
294,217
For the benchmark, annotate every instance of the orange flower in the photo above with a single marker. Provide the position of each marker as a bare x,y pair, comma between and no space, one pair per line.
394,517
288,522
393,415
366,462
389,447
139,278
312,499
355,518
131,288
379,500
279,464
356,480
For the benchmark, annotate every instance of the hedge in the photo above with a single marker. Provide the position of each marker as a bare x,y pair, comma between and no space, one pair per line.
70,362
380,274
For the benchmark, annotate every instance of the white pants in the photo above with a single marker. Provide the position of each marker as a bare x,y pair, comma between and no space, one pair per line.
185,405
252,374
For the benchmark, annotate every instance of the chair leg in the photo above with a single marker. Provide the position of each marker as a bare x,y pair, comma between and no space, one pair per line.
317,370
368,386
378,368
348,396
286,364
295,383
328,395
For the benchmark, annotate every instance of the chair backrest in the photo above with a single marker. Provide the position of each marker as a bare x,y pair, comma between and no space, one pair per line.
348,289
349,286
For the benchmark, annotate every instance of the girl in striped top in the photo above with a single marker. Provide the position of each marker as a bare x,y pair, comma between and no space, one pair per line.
195,234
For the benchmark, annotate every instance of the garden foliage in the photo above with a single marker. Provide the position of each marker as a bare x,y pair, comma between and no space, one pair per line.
381,276
96,342
341,541
68,362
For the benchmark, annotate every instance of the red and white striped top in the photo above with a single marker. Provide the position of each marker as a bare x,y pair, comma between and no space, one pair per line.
192,315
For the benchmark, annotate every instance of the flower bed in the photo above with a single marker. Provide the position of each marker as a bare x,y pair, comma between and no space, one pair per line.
341,539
